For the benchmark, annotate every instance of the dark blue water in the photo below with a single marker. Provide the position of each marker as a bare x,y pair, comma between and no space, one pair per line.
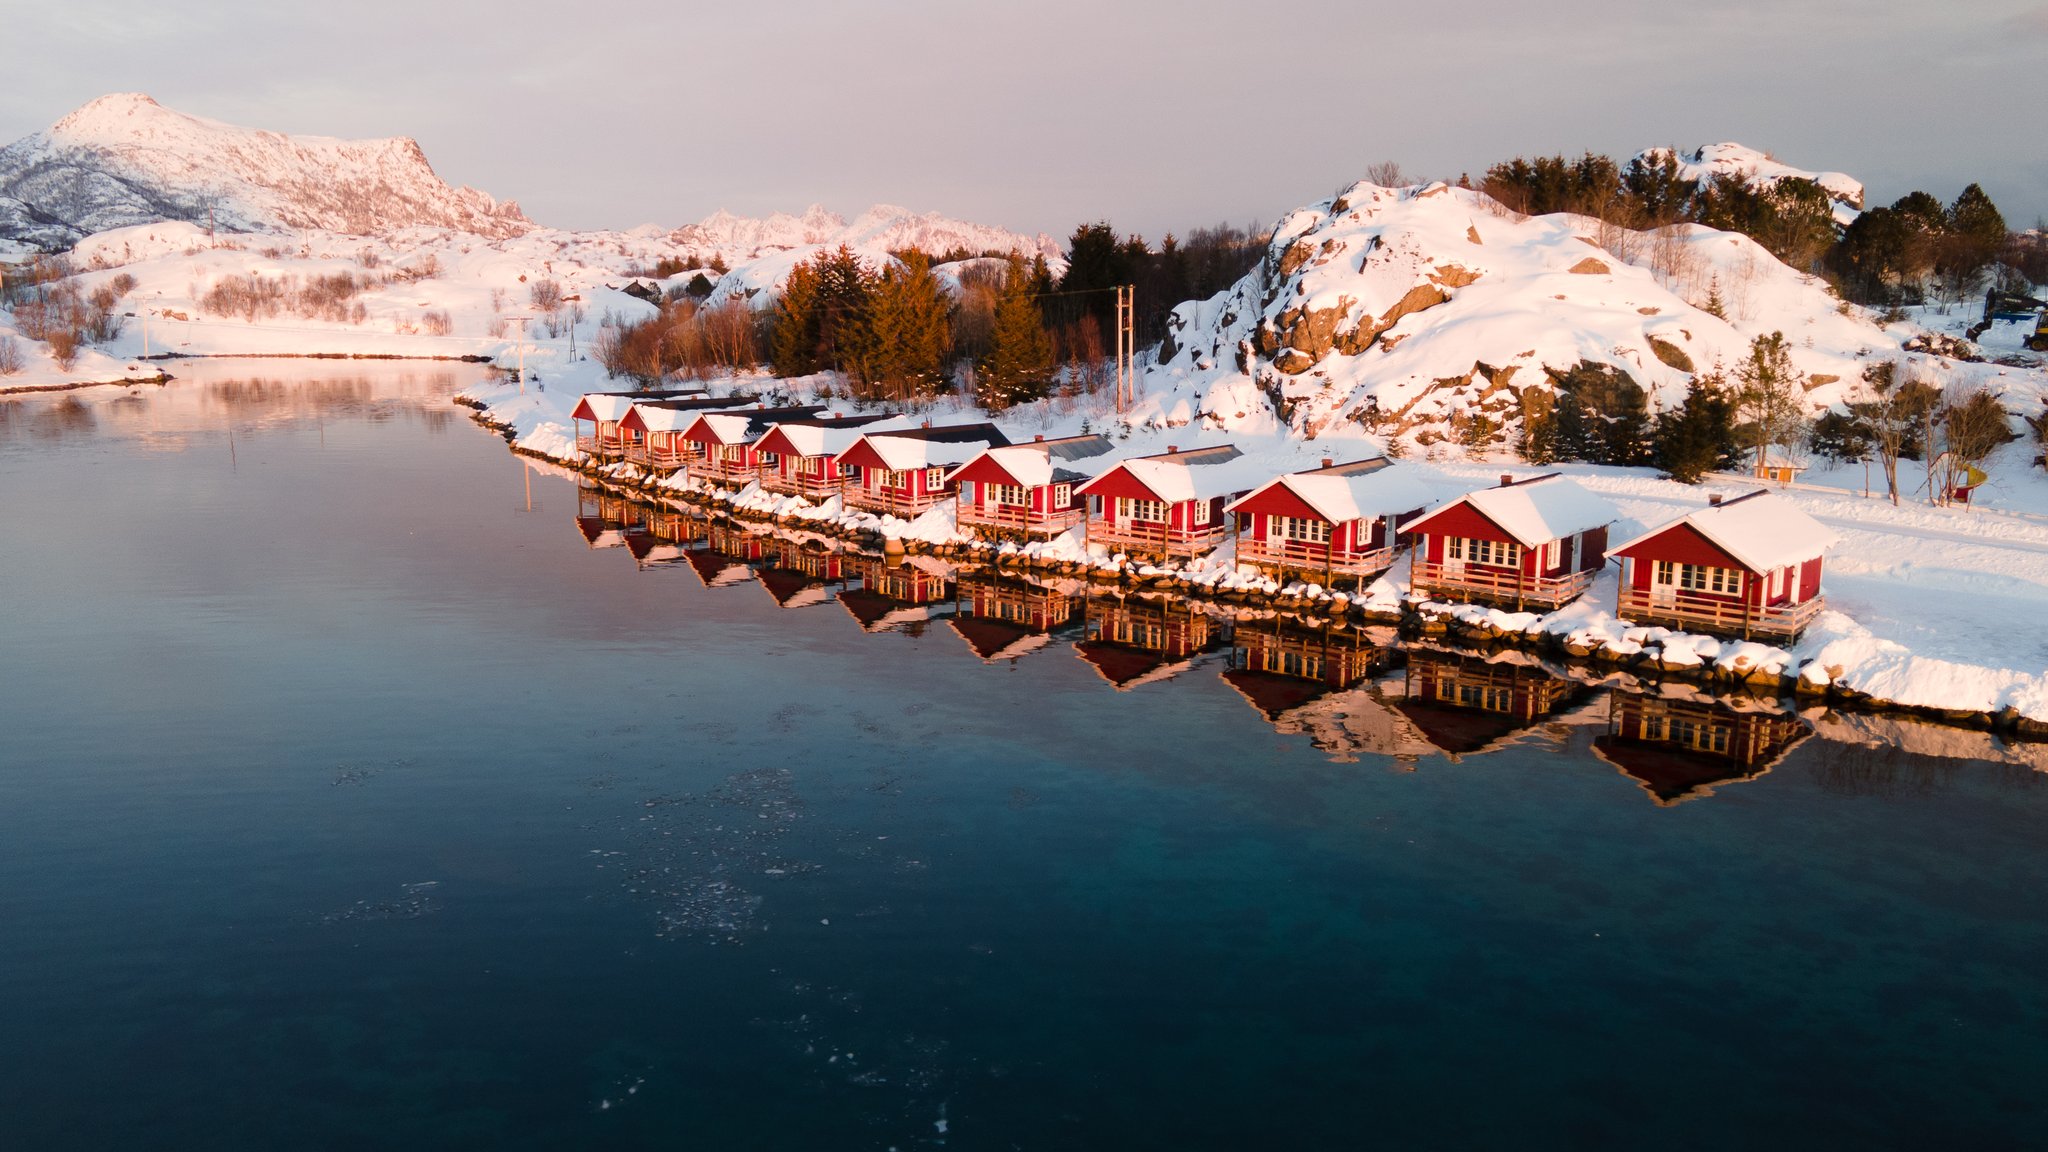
349,799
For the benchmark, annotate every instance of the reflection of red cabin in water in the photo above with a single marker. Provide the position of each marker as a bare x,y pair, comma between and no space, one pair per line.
1681,750
727,554
801,572
1028,489
1533,543
903,473
720,447
1168,505
895,595
1002,619
1132,640
651,431
1283,662
670,532
801,457
605,518
1337,520
1744,567
1467,704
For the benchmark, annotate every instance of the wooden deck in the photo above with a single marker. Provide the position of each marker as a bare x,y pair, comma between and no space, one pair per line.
1155,539
807,486
1695,613
1019,519
902,507
1312,561
1505,589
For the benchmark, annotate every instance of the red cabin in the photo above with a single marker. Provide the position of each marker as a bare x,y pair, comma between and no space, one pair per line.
605,412
651,431
1746,567
1340,520
1526,543
801,457
1169,505
1028,489
719,447
904,473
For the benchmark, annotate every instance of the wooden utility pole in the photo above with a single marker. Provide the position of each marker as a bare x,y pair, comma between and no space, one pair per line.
1126,346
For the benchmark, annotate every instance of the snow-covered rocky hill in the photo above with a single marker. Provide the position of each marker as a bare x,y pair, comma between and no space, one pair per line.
124,159
1424,312
1760,170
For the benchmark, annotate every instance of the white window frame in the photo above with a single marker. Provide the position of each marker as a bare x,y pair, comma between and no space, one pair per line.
934,479
1062,496
1298,529
1136,508
1013,495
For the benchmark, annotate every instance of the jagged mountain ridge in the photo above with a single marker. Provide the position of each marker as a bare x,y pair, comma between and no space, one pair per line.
124,159
884,227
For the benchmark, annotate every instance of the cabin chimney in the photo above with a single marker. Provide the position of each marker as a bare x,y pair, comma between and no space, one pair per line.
1329,463
1506,481
1714,500
1038,438
839,415
1172,448
926,424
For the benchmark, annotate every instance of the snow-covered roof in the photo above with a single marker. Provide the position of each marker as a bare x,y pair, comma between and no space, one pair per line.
727,427
1032,466
1351,492
1536,511
607,406
1201,474
658,418
822,440
904,453
1761,531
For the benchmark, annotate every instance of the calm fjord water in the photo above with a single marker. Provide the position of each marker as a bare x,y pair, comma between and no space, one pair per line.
349,798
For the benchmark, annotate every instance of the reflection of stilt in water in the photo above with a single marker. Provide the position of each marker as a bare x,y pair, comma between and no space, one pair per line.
892,596
1681,750
1133,640
1002,618
1467,704
1308,678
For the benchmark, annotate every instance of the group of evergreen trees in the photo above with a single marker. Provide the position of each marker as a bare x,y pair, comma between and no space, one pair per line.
1884,257
892,331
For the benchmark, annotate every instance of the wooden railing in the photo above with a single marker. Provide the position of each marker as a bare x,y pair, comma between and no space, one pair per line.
1498,586
723,471
670,456
1020,518
586,442
1155,536
887,500
1693,611
1312,559
802,484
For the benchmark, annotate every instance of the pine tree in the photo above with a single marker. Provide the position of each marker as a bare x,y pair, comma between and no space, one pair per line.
793,344
1767,392
1018,366
1713,307
845,287
1699,435
909,331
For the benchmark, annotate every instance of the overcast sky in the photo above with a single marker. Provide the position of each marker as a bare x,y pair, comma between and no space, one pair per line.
1156,116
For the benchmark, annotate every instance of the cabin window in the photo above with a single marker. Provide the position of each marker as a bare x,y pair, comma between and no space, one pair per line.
934,479
1298,528
1707,578
1128,508
770,460
1485,697
1550,551
1062,495
849,471
1497,552
1015,494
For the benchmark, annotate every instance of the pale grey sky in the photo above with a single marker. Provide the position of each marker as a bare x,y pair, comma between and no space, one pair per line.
1039,115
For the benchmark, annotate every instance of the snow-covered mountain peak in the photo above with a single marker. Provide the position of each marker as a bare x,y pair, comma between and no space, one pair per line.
1759,169
124,159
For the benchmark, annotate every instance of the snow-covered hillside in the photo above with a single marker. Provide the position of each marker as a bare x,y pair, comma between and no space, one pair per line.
1760,170
1413,311
739,239
124,159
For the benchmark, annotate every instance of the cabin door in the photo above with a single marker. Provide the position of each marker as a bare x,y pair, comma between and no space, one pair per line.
1663,583
1454,557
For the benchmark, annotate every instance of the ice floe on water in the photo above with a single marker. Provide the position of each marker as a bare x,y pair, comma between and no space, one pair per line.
412,902
698,859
